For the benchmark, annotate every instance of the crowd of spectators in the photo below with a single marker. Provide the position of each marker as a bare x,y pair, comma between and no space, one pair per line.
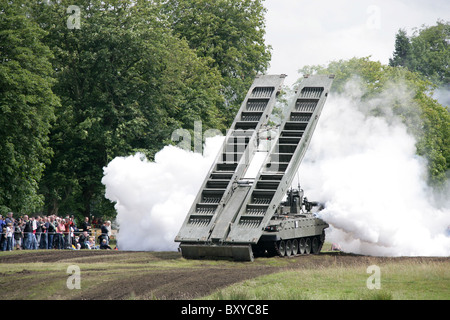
51,232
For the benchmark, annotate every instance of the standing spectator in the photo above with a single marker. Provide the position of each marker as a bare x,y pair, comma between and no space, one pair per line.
18,233
9,218
94,222
38,231
99,222
9,236
104,235
60,228
2,231
27,232
67,227
86,225
33,244
108,226
44,236
4,243
74,224
56,240
2,221
51,231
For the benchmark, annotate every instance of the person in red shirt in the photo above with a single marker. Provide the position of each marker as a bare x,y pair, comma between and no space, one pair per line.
60,228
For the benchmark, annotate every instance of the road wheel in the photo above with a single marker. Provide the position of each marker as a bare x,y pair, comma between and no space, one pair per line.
294,247
301,246
307,245
281,248
288,248
315,245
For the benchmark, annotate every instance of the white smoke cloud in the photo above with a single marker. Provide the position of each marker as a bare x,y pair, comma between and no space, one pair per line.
363,167
153,198
366,171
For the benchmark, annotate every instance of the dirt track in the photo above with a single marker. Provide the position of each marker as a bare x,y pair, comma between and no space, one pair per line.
171,281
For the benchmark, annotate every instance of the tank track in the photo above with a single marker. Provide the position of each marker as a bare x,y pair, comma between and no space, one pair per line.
292,247
300,246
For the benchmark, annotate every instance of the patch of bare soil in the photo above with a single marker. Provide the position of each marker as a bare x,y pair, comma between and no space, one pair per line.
49,256
173,284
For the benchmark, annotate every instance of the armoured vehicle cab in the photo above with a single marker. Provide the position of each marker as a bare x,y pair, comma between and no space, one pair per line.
294,228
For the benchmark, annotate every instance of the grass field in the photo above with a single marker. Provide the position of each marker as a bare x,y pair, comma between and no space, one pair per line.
166,275
407,280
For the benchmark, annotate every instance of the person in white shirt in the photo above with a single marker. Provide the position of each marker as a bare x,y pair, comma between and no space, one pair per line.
9,236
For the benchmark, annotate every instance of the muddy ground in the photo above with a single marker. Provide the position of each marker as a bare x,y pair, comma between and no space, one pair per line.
165,277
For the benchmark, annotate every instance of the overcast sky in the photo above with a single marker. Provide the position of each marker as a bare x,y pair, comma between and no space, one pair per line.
319,31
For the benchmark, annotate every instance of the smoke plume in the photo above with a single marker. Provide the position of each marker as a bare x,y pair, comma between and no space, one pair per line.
153,198
363,167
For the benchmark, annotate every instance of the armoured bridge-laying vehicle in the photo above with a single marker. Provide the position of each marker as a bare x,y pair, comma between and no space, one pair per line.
239,211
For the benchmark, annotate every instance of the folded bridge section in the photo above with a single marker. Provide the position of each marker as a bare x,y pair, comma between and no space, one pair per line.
232,161
230,214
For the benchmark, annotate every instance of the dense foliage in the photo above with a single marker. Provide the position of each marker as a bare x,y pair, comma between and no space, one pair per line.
126,76
125,84
27,106
427,51
228,32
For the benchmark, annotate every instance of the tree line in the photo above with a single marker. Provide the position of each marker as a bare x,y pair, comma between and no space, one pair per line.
81,84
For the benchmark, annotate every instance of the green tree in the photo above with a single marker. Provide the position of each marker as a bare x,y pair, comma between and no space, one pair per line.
427,51
425,118
230,33
27,106
402,50
125,84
